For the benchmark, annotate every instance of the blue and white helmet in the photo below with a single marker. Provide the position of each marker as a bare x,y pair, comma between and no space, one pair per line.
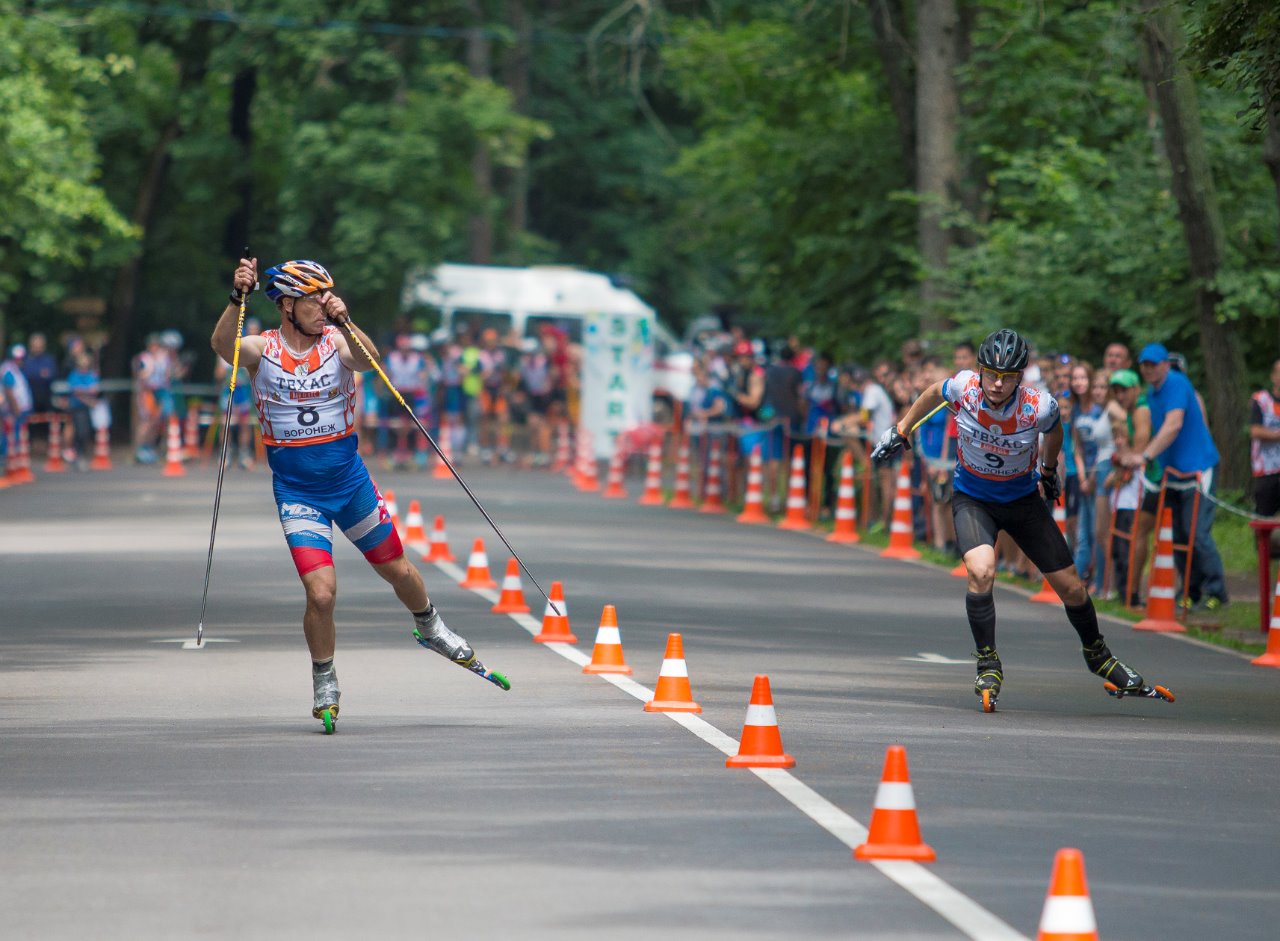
297,279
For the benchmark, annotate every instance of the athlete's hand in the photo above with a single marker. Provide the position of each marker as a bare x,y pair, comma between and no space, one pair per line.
891,442
1050,488
245,280
334,309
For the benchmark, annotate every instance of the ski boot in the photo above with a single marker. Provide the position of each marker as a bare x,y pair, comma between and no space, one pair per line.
990,676
325,709
431,632
1120,680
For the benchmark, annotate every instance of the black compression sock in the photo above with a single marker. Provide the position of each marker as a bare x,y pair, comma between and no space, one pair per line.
981,609
321,666
1085,620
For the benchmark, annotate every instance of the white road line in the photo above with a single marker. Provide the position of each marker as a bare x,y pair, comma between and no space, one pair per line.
970,918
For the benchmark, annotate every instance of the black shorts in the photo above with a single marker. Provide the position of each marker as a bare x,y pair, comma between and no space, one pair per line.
1266,494
1027,521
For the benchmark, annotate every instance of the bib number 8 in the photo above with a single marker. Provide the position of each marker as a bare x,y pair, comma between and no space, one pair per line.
308,416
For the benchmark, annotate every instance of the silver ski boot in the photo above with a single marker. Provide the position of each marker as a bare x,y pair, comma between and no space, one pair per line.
433,633
325,684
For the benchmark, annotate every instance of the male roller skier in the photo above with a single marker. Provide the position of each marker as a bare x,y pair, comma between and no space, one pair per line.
997,487
302,377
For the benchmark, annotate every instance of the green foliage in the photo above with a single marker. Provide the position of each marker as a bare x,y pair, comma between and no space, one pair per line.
1240,41
52,210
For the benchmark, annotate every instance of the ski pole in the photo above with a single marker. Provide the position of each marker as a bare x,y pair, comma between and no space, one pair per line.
917,425
447,463
222,459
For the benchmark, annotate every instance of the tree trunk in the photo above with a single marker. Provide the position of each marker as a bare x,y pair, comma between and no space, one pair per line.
887,21
516,79
124,292
938,164
1271,140
1193,187
480,241
243,88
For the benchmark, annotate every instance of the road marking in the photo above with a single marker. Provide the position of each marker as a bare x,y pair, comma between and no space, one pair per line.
189,643
931,658
964,913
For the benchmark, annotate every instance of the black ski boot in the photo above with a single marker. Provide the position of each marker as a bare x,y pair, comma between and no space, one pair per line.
990,676
1100,661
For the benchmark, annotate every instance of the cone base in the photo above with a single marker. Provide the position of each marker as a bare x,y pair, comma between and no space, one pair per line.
900,553
589,486
655,705
175,471
621,669
1046,596
648,500
920,853
794,524
1160,625
680,503
712,508
1267,660
756,516
477,583
439,557
760,761
848,538
614,494
510,609
99,464
555,639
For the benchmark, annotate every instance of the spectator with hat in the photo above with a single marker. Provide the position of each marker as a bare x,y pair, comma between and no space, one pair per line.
1182,440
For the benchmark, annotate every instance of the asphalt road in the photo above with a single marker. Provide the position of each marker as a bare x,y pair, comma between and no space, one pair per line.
149,791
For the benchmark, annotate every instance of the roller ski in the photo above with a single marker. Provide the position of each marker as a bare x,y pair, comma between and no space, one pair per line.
990,676
1120,680
325,684
431,632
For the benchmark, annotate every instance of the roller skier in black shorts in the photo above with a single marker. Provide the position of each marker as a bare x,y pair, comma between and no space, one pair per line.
998,487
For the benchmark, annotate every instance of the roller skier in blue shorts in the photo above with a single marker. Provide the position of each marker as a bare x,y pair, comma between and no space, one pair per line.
302,375
998,487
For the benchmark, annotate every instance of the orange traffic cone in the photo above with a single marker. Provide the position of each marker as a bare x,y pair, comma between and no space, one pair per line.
673,693
101,450
173,452
555,627
54,464
713,490
191,449
613,489
1046,594
1272,656
478,569
1160,594
682,498
761,742
442,471
511,601
797,506
753,505
606,656
895,830
846,527
415,537
20,457
1068,912
389,501
563,449
438,549
901,530
588,479
652,495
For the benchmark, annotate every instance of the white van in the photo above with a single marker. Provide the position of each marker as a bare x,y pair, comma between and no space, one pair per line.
484,296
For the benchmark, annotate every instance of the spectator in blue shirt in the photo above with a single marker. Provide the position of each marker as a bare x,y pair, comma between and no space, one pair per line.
1182,441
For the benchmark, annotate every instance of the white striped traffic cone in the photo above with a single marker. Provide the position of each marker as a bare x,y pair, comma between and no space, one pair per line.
1068,911
797,506
652,495
846,527
761,742
478,569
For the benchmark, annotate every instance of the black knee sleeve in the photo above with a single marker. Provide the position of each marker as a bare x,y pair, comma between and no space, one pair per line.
981,609
1085,620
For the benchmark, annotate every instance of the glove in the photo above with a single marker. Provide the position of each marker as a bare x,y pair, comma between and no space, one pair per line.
1049,484
891,442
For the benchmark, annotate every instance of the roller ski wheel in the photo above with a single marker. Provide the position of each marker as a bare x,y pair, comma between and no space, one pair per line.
1144,691
464,657
989,679
329,716
989,698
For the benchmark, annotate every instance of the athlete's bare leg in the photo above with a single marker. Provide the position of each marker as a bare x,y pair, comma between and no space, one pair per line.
406,581
1069,586
980,562
321,586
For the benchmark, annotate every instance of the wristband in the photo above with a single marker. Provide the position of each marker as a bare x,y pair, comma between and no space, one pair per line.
1048,467
236,298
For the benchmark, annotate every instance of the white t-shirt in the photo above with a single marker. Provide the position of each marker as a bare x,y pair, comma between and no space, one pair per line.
879,408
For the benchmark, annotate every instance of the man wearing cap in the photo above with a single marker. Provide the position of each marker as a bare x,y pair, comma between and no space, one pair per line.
1182,441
